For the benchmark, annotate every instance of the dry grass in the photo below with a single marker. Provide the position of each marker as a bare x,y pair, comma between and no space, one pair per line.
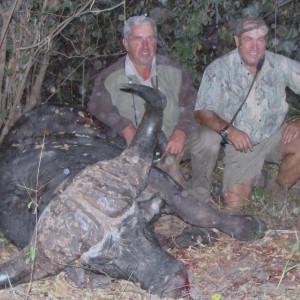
262,270
233,269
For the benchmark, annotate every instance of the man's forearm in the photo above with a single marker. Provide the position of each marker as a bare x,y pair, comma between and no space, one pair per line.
210,119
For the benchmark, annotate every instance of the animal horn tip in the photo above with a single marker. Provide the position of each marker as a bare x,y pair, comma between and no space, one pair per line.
129,87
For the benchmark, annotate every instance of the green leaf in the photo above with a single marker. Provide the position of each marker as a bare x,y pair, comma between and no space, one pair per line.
31,253
216,296
295,247
25,58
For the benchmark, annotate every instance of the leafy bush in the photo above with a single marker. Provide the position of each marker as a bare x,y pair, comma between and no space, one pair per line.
74,40
193,33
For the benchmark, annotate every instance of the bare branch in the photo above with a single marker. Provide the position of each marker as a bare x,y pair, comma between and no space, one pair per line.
37,86
7,20
3,44
62,25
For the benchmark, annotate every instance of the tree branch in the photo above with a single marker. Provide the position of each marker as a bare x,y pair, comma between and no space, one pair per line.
62,25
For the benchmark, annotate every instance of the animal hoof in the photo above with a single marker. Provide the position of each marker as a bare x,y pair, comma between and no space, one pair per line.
262,227
252,229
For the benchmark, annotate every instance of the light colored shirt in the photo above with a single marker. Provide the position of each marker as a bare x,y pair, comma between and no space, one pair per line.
137,106
226,82
130,71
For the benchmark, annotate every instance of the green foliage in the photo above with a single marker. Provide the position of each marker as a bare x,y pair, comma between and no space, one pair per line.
30,251
82,37
3,114
203,30
295,247
88,295
193,33
216,296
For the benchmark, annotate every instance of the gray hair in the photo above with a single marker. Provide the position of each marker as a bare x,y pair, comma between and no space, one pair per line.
135,21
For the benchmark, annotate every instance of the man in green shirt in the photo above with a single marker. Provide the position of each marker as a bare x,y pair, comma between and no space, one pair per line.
123,111
259,132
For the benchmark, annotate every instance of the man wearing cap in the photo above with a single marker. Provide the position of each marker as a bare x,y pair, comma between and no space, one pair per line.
247,112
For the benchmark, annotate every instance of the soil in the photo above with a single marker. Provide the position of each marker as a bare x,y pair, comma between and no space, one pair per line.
229,269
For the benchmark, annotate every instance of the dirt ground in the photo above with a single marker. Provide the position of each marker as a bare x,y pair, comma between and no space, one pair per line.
229,269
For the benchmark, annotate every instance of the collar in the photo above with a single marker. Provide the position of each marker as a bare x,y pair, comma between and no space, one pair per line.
239,61
130,70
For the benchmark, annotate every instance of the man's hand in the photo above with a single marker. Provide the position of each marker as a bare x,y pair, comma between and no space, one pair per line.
176,142
239,139
128,134
291,131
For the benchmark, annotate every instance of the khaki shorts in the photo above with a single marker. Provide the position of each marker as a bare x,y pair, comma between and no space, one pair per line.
241,166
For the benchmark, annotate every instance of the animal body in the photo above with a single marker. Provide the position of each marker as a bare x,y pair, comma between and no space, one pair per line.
89,197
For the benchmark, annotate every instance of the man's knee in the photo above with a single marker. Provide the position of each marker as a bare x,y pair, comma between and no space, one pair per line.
289,171
170,165
238,194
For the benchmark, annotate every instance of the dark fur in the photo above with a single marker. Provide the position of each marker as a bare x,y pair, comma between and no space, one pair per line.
72,146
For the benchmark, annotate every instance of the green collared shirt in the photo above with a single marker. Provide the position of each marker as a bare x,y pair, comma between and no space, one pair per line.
119,110
226,82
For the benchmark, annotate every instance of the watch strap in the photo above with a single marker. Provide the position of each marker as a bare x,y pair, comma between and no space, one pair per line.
223,134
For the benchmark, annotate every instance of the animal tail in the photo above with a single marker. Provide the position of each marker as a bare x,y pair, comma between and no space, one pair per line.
147,133
19,269
15,271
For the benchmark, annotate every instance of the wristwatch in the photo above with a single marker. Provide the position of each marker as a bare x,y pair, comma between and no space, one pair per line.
224,134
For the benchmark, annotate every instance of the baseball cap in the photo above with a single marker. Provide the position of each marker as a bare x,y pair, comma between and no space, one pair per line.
250,23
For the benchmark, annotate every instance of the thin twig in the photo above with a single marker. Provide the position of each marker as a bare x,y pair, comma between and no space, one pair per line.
122,292
277,6
63,82
62,25
11,286
36,216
